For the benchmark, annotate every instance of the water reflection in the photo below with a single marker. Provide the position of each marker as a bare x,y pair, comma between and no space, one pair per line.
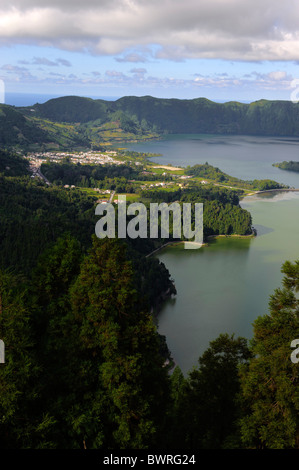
223,287
262,230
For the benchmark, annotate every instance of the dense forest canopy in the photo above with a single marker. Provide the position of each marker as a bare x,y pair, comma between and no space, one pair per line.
215,174
290,166
85,366
198,115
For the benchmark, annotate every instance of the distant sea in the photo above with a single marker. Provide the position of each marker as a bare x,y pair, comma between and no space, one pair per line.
29,99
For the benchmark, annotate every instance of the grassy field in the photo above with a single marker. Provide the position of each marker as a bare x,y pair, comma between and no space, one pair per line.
91,192
129,197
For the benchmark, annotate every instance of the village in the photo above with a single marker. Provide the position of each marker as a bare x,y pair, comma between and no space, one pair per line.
110,157
36,159
91,157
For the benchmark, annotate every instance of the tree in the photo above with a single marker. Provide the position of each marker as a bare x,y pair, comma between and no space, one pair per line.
176,425
206,407
19,373
214,389
120,358
270,381
56,339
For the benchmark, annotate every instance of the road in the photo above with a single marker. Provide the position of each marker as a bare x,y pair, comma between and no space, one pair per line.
111,196
35,170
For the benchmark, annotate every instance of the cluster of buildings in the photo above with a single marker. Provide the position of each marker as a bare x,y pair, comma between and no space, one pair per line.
153,185
92,157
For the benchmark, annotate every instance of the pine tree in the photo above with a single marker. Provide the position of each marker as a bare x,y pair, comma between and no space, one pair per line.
19,372
120,350
205,411
56,340
270,382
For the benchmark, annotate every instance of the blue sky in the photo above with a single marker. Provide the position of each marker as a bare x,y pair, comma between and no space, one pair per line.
219,49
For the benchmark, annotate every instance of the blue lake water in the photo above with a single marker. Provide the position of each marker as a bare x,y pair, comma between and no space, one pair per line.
244,157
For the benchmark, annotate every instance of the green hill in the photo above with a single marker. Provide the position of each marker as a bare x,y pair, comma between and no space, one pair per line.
72,109
275,118
15,128
77,122
12,164
198,115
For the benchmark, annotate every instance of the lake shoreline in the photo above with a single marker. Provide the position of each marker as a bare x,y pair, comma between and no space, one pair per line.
209,237
205,306
234,235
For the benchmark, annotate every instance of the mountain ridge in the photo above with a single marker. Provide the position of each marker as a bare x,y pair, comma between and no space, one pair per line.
76,121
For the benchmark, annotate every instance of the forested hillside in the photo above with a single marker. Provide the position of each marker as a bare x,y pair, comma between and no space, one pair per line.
85,366
181,116
78,122
33,217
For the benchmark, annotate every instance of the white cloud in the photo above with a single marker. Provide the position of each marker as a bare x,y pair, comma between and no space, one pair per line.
277,76
132,57
138,71
228,29
44,61
137,79
19,74
64,62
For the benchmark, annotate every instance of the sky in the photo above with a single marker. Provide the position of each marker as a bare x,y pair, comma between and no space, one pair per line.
223,50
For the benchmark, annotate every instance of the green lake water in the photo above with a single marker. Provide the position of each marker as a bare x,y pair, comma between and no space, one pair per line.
223,287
